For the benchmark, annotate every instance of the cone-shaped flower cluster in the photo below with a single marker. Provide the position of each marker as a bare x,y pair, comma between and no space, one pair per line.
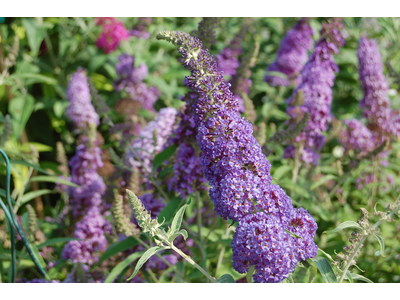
130,80
292,55
80,109
376,104
113,32
86,199
317,79
188,175
233,163
356,136
151,140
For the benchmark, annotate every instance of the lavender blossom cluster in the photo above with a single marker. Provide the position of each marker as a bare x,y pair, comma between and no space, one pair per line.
80,110
188,175
238,172
356,136
130,80
85,200
375,103
228,60
317,79
91,232
292,55
151,140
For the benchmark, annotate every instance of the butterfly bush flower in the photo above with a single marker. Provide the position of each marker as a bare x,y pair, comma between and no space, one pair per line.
317,79
227,60
292,55
130,80
356,136
140,30
85,200
188,176
90,230
113,32
151,140
80,109
375,103
238,172
261,240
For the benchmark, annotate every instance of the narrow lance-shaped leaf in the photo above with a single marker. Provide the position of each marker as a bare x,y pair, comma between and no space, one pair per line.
163,156
347,224
325,269
149,253
182,232
121,266
53,179
381,243
360,278
177,221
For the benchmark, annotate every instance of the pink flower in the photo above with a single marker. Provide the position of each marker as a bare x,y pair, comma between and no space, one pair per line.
112,35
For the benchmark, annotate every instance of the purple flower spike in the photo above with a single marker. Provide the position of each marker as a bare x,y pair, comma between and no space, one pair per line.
80,109
238,173
292,55
315,92
130,80
376,104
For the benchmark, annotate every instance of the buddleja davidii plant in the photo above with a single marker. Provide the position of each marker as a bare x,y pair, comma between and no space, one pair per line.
362,230
163,238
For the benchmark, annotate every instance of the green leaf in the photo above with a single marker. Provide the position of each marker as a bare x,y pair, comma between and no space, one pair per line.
349,278
322,181
31,195
182,232
313,273
149,253
163,156
326,254
118,247
35,33
169,211
325,269
177,221
53,179
293,234
96,62
360,278
36,78
282,170
347,224
121,266
57,241
37,255
381,243
40,147
226,278
20,109
28,164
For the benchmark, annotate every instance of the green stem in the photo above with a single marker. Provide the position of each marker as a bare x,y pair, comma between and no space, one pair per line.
198,215
222,252
249,275
353,254
192,262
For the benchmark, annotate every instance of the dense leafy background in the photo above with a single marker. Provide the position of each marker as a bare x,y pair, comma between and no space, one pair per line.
51,49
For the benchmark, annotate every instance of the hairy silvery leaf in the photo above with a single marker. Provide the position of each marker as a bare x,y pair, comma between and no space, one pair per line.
347,224
149,253
325,269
